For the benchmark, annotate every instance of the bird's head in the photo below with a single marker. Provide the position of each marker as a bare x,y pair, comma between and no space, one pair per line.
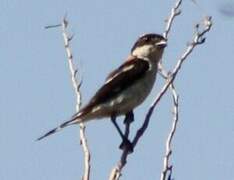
149,46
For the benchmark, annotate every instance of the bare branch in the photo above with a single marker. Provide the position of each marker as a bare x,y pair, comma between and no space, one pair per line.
167,169
76,85
175,11
53,26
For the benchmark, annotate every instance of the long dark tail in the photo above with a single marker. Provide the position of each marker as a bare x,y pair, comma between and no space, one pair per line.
72,121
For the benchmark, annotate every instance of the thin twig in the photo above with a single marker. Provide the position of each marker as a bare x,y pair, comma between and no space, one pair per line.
53,26
196,40
76,85
167,169
175,11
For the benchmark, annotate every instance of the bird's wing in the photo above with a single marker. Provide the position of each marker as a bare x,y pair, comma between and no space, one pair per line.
117,81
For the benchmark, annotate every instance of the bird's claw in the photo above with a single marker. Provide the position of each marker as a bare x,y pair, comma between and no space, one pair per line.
126,144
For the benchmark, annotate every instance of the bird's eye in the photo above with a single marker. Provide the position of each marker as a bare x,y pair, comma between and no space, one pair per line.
146,39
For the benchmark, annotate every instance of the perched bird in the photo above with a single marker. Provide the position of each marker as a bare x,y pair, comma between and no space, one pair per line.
126,87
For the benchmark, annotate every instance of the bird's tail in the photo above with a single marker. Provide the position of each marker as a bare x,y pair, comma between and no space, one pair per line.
72,121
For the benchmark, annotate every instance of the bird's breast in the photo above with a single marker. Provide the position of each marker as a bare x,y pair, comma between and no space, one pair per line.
134,95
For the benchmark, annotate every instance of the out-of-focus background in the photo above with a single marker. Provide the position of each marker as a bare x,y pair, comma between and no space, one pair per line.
36,92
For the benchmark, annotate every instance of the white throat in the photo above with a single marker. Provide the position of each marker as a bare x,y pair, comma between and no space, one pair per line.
143,51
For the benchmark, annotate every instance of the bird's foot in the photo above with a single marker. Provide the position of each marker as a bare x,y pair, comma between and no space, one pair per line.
126,144
129,118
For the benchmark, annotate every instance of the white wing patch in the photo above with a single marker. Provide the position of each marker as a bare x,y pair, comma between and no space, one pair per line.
127,68
96,109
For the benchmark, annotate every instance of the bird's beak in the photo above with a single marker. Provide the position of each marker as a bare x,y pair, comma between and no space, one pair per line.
162,43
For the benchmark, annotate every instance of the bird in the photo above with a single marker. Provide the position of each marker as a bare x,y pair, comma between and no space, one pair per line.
126,87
